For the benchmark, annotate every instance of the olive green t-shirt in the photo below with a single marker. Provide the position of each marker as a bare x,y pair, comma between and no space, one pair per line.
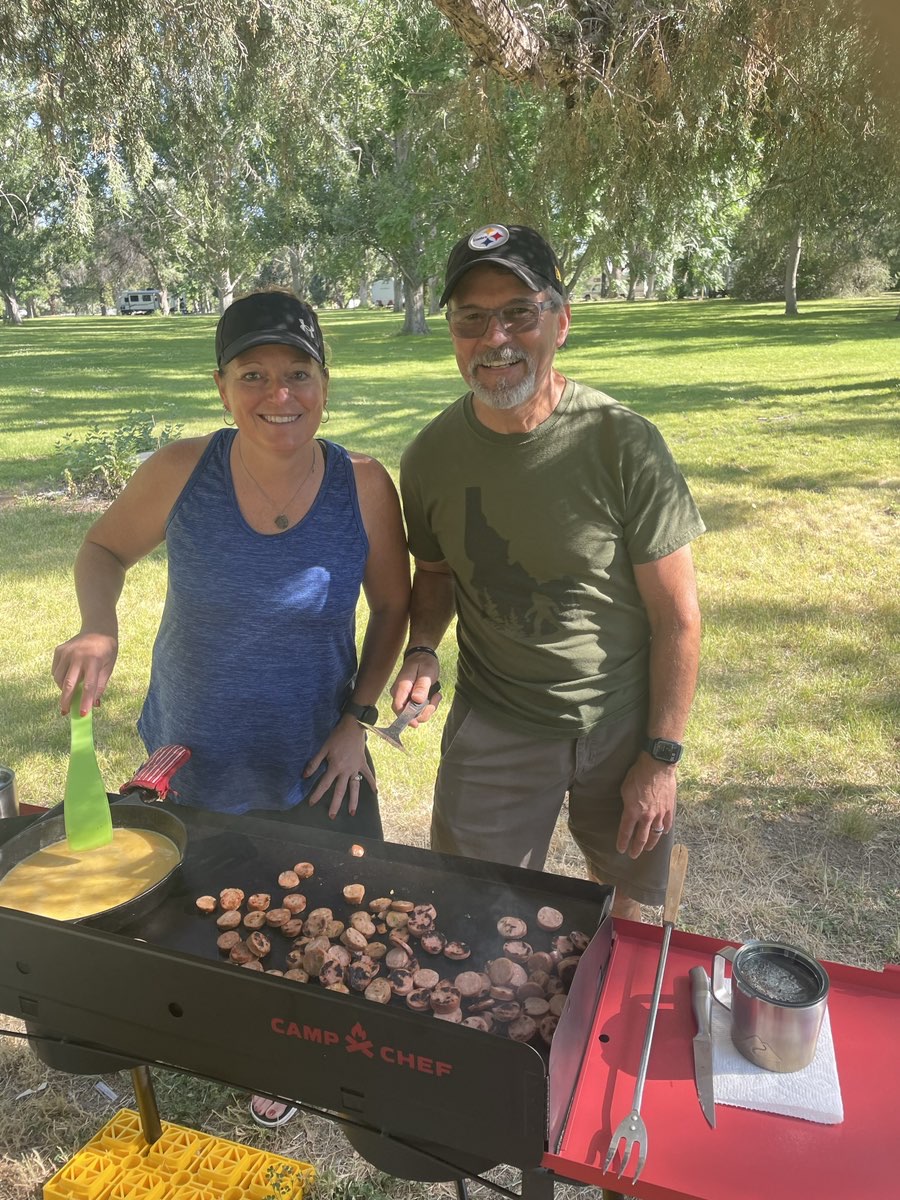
541,530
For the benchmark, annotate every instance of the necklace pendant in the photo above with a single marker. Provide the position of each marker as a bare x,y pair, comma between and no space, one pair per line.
281,521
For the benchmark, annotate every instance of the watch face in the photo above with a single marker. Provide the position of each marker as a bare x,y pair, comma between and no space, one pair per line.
665,751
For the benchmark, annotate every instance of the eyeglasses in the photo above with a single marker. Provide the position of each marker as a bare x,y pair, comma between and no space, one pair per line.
514,318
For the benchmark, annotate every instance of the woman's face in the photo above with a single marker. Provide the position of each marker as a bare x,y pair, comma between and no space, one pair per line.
276,394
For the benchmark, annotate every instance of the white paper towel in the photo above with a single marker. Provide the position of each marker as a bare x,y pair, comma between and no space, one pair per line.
814,1094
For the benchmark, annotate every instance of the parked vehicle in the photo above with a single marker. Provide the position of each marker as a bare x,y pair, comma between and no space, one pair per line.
141,303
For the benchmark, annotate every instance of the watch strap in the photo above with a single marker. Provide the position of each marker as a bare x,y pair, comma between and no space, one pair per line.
367,713
664,750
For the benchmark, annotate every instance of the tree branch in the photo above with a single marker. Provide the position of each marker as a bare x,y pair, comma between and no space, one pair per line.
498,38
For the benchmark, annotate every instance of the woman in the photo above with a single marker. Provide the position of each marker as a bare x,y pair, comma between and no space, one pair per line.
270,533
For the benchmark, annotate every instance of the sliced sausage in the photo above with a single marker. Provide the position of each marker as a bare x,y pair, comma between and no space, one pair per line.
432,942
522,1029
258,944
512,928
519,952
457,951
231,898
277,916
378,991
549,918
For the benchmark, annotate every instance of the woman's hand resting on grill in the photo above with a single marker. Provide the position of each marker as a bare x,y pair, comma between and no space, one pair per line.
344,753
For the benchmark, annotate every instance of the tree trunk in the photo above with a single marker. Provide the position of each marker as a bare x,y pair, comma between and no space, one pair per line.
13,311
164,301
414,308
604,285
650,286
295,258
615,278
32,308
398,293
790,273
225,288
632,286
434,296
365,297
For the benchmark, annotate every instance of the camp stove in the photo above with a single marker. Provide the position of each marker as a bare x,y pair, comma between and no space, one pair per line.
419,1097
425,1099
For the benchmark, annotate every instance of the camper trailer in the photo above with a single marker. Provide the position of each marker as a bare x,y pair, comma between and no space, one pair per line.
139,303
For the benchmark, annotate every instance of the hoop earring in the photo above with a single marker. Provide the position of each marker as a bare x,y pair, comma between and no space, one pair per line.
326,416
226,416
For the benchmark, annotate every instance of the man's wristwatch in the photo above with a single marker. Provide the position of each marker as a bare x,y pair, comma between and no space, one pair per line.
664,750
367,713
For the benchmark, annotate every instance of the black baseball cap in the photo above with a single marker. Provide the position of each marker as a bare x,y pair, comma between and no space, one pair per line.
516,247
268,318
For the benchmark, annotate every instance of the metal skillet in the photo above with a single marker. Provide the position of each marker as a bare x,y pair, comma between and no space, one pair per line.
46,830
49,1045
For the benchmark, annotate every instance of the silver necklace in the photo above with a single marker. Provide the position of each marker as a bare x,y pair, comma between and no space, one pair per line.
281,518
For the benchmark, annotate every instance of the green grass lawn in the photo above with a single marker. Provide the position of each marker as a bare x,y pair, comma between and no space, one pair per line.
783,429
789,804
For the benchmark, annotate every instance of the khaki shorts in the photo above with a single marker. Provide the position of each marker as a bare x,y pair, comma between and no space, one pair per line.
498,794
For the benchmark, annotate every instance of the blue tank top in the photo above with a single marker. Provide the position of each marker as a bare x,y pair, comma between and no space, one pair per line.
256,651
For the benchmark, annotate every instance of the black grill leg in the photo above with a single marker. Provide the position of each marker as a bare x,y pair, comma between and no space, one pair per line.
537,1184
462,1192
142,1083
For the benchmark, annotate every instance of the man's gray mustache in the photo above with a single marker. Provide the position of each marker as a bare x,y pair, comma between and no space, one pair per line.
494,358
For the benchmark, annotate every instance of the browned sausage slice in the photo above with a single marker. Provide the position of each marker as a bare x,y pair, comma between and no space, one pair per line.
549,918
378,991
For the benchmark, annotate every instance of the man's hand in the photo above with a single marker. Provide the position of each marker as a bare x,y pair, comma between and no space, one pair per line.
649,797
420,671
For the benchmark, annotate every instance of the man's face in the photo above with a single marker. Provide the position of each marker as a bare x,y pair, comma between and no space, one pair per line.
505,369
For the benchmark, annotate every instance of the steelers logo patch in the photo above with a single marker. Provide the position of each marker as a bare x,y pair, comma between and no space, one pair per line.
489,237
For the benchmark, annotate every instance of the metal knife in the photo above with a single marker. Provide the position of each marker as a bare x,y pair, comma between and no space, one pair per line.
701,998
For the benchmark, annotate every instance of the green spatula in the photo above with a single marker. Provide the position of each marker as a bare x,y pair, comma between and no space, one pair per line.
85,804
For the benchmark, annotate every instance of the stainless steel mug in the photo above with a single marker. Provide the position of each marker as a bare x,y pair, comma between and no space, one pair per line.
9,801
778,998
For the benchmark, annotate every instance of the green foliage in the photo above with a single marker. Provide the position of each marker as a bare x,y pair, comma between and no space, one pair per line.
102,462
284,1182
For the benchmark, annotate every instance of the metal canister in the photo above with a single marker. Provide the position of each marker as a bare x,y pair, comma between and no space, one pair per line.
9,802
777,1001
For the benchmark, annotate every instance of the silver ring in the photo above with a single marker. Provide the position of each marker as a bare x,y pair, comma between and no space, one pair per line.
357,777
663,830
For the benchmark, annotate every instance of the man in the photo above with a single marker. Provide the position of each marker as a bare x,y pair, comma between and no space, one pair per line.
554,523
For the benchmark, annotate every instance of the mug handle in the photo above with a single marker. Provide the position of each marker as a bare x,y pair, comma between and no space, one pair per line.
720,992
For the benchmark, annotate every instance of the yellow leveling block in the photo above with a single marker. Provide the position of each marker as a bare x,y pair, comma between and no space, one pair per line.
117,1164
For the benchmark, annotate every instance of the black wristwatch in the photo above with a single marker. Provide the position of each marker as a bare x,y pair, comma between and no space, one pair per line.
367,713
664,750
